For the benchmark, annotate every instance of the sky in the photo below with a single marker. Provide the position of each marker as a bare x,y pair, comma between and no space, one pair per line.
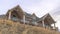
39,7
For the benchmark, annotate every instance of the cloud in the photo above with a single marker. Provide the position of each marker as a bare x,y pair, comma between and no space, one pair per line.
39,6
56,16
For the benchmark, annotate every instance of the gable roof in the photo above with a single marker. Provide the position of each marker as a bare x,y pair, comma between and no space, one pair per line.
33,14
48,17
17,9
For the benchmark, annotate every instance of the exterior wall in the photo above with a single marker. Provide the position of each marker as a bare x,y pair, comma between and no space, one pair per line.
28,20
40,24
3,17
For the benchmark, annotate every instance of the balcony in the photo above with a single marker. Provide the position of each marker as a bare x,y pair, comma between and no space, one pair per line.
33,23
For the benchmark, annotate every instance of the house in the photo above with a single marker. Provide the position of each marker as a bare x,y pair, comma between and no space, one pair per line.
18,15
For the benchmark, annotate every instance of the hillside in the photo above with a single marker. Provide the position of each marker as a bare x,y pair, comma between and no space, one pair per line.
10,27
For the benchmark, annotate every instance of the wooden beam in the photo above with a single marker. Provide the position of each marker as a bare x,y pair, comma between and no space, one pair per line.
9,15
43,23
24,18
54,25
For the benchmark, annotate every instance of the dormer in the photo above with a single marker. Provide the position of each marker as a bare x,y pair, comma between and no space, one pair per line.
34,16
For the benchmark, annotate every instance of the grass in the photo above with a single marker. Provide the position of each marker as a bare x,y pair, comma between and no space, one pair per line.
10,27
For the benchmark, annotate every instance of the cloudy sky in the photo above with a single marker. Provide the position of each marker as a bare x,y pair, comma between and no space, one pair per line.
39,7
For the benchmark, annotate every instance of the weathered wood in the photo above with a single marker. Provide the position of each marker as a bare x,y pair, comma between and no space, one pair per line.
24,19
43,23
9,15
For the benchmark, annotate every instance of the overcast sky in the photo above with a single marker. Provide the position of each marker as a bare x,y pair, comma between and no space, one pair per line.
39,7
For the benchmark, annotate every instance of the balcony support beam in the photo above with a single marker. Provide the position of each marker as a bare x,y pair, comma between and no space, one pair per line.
24,18
43,23
9,15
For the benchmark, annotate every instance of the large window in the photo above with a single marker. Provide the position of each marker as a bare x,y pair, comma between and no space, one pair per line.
35,23
14,18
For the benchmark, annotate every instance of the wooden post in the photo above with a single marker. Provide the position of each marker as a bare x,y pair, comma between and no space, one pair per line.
43,23
54,26
9,15
24,18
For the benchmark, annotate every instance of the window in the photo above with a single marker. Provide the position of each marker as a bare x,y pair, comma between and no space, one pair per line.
34,17
14,18
35,23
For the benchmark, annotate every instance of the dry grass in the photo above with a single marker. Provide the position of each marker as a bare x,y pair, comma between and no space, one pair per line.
10,27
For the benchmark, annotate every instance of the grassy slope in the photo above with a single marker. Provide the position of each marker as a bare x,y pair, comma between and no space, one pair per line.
10,27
